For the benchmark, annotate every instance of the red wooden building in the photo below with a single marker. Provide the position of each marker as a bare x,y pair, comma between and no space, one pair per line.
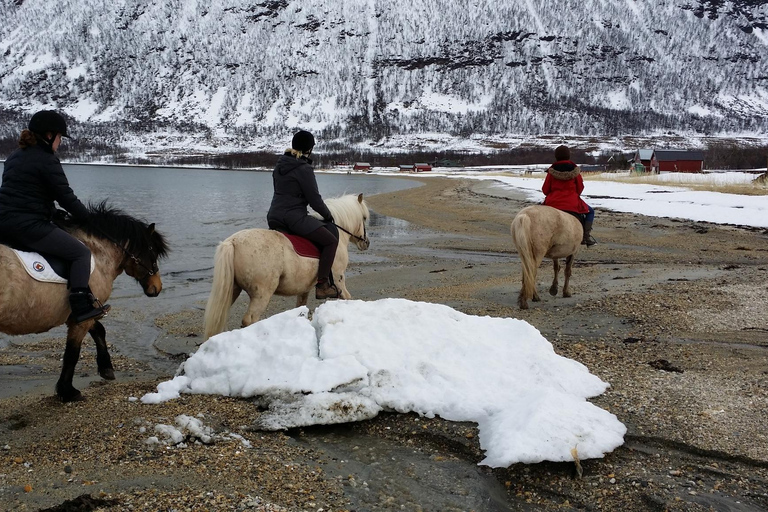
677,160
361,166
644,157
422,167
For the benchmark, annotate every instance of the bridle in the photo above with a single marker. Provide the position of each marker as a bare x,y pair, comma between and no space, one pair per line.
150,271
365,233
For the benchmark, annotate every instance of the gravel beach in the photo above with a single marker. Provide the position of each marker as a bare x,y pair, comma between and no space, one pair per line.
672,313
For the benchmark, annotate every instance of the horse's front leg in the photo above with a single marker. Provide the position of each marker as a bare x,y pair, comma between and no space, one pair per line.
555,284
568,268
103,360
301,300
342,284
64,388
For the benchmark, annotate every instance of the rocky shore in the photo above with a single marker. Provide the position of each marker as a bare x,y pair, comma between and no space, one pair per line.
671,313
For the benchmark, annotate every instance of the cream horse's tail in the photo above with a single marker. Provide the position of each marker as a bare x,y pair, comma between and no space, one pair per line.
521,234
220,299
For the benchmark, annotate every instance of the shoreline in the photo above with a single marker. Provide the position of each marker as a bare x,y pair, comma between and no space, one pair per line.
653,289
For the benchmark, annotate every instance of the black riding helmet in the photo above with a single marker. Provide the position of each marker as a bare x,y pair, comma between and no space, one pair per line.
47,121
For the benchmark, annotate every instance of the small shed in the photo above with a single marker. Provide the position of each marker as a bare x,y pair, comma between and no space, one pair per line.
406,168
361,166
677,160
643,156
422,167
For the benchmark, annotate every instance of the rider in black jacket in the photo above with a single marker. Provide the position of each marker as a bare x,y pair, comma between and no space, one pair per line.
32,180
295,189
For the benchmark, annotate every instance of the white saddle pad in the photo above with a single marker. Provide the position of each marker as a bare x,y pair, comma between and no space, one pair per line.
39,268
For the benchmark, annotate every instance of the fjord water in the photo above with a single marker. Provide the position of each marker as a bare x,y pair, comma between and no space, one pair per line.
197,208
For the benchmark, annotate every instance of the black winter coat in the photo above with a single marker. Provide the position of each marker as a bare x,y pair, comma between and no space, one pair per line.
295,189
32,180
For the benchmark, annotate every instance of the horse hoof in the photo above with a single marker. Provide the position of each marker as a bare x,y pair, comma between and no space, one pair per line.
76,397
107,374
553,292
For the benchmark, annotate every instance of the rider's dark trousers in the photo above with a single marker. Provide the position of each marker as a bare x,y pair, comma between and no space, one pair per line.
328,243
60,243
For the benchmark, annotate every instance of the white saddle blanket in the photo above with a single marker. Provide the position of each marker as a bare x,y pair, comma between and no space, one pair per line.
39,268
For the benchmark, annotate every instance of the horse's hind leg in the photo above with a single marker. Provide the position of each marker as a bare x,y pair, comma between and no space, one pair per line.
568,268
301,300
256,307
103,361
64,387
555,283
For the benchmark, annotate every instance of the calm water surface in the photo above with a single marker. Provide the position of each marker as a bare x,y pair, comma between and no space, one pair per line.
197,208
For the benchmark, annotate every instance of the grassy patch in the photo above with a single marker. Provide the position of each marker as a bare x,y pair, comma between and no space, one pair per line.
701,182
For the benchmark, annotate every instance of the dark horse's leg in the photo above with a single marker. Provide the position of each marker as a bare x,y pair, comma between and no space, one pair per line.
567,284
64,388
555,284
103,361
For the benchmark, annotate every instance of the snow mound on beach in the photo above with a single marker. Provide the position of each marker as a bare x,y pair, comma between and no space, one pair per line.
356,358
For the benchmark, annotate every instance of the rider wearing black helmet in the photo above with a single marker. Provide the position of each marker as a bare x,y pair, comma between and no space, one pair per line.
32,180
295,189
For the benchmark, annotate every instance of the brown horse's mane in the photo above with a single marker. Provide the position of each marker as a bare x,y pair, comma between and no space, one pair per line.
117,226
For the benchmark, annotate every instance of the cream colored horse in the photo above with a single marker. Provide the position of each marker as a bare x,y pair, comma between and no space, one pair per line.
263,263
542,231
119,243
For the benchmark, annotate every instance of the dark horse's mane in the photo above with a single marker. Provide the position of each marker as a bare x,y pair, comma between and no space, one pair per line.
117,226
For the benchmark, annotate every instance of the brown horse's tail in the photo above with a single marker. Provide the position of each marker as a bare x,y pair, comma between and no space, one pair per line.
220,299
521,234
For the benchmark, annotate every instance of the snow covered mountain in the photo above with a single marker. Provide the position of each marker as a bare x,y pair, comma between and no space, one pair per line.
367,69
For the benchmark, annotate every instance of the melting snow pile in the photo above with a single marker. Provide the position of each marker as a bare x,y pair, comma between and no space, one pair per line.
357,358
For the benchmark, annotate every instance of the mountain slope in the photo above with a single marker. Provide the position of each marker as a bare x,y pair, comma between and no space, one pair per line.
363,69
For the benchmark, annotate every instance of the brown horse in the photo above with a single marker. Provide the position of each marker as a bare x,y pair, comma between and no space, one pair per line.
118,243
542,231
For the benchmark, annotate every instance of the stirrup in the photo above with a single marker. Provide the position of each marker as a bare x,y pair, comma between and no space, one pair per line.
320,295
97,313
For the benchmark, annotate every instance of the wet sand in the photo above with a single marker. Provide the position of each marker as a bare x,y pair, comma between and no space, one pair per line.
671,313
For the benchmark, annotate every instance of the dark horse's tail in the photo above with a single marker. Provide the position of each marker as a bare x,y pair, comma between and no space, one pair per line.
521,235
220,299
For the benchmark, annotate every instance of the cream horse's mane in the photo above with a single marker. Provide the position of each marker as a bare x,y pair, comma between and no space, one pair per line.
346,211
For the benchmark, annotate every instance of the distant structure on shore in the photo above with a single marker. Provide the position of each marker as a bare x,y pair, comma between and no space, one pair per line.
656,161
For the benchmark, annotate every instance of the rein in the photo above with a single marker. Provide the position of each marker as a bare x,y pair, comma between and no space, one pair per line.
365,233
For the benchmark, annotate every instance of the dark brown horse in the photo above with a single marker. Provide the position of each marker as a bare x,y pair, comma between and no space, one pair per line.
119,243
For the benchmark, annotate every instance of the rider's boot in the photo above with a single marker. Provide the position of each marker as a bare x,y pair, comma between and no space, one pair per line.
326,290
85,306
588,240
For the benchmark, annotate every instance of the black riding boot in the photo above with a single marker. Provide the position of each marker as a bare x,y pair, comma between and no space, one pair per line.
588,240
81,301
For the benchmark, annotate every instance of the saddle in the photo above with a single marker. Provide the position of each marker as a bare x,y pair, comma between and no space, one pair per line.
581,216
302,246
44,268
